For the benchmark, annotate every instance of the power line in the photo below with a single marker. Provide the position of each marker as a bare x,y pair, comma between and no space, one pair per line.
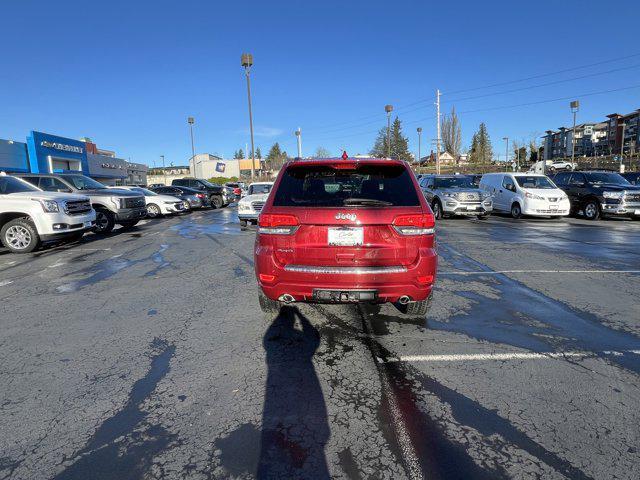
542,75
543,84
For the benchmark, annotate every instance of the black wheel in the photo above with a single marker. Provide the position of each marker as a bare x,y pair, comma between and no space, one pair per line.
216,201
129,223
243,224
153,210
270,308
482,217
516,211
20,235
437,209
105,221
592,210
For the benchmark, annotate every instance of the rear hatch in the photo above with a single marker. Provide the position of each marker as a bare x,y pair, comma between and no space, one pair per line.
346,213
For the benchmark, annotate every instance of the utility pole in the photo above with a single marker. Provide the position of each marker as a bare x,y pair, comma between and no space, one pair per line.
388,109
164,172
506,156
247,61
575,106
438,138
419,144
623,125
191,121
298,133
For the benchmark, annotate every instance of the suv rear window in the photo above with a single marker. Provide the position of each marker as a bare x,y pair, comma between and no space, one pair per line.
366,185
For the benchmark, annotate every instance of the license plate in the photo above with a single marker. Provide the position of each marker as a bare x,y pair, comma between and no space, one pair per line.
471,207
346,236
553,207
87,224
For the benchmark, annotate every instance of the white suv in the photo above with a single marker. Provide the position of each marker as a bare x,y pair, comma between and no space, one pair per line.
30,216
158,204
250,206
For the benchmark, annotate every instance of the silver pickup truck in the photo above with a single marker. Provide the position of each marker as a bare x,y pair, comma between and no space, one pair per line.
112,206
451,195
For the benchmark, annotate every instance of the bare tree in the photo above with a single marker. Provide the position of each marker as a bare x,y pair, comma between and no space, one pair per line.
452,134
322,152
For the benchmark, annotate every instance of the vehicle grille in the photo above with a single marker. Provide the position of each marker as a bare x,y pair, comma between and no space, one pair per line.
134,202
257,206
635,197
468,196
78,207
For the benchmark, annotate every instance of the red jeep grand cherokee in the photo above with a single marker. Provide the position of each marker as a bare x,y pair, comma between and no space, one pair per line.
346,231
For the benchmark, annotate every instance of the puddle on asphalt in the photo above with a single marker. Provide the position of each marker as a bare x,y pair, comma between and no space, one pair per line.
226,223
524,318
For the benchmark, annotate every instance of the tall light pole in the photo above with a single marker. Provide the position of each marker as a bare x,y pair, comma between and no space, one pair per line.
388,109
247,61
506,157
419,129
164,172
438,128
623,125
299,141
191,121
575,106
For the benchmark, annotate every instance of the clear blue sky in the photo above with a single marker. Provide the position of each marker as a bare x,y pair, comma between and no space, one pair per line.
128,73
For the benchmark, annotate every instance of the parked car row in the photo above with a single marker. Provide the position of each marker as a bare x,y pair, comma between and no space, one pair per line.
591,194
37,208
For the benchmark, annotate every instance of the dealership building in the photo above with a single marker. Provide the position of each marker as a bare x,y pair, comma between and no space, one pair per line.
46,153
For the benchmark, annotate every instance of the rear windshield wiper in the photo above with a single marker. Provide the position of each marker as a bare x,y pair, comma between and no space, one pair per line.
367,201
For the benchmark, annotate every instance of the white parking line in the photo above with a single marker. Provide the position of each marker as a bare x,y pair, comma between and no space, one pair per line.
59,264
4,283
502,356
500,272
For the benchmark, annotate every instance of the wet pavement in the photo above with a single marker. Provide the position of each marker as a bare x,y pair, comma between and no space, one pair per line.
143,355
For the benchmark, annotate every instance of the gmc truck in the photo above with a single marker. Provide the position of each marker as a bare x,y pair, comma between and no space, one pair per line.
112,206
29,216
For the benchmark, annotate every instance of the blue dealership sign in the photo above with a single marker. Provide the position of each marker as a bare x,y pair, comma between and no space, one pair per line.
220,166
50,153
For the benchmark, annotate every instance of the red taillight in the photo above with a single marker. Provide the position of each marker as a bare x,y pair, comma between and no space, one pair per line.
422,224
275,220
200,195
277,224
237,191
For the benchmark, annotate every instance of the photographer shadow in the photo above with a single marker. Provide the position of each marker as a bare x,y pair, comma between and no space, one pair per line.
295,427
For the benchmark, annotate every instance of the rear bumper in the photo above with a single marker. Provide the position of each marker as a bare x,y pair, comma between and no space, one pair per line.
300,281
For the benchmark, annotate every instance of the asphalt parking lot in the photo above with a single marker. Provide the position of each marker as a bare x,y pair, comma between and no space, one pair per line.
144,354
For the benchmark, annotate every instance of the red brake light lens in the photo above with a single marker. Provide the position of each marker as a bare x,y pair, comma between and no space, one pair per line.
421,224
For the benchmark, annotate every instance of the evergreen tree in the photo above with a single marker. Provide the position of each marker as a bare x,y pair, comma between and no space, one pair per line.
481,150
399,143
239,154
275,157
258,153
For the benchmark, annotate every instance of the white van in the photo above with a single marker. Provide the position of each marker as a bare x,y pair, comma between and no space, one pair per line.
525,194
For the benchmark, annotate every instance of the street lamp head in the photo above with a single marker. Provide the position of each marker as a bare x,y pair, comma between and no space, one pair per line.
505,138
191,121
575,105
388,108
297,132
246,59
419,129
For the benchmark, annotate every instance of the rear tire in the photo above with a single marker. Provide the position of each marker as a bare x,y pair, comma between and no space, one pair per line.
20,235
216,201
270,308
516,211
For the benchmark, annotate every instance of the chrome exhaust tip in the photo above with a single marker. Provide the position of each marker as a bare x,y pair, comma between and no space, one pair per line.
287,298
403,300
